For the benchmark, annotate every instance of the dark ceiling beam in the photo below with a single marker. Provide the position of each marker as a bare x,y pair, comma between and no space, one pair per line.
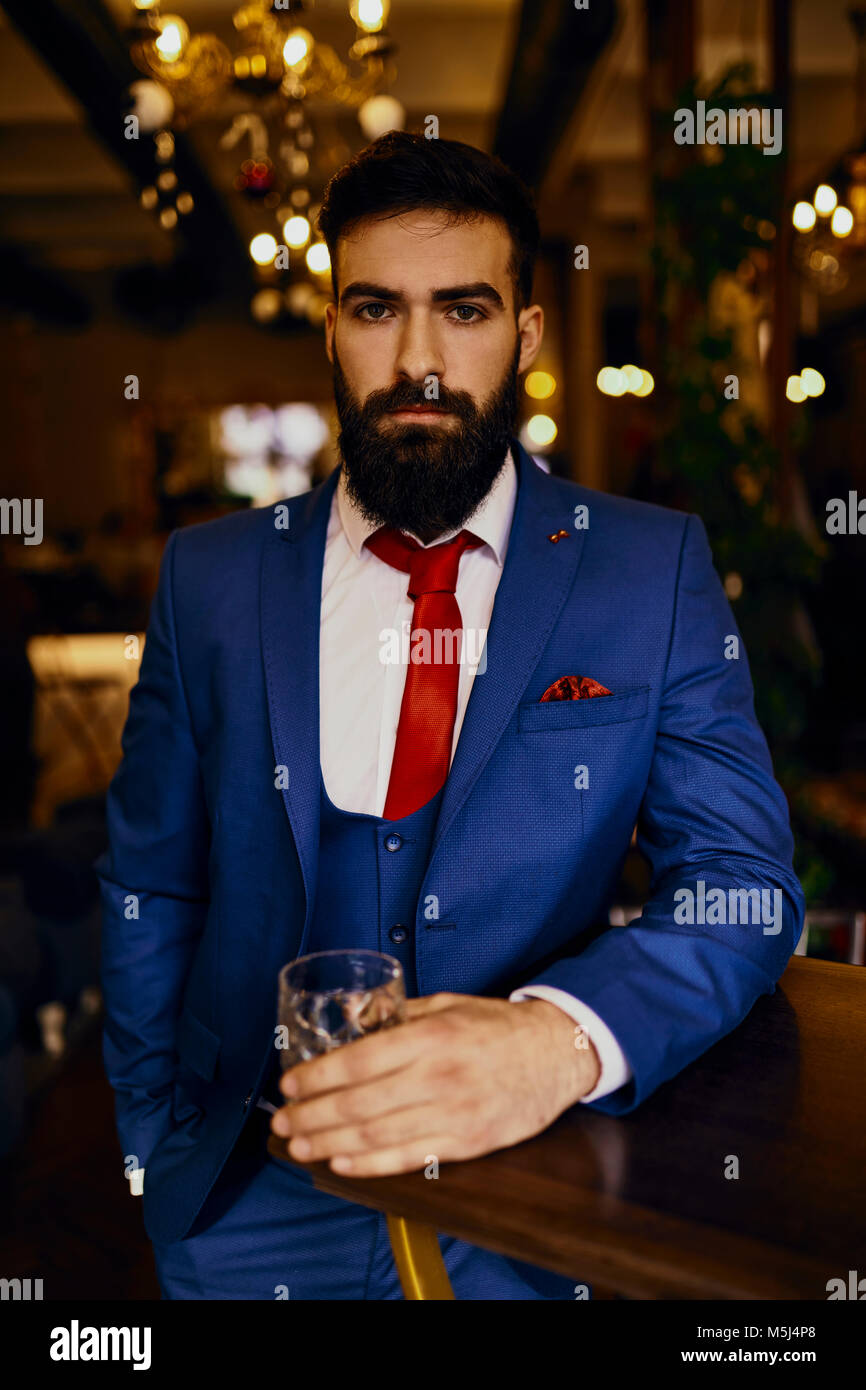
80,42
555,49
29,289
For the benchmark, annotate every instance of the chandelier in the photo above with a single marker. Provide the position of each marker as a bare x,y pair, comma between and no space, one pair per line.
273,54
273,69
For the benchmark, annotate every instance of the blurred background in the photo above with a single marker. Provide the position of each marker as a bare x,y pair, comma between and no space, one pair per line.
162,289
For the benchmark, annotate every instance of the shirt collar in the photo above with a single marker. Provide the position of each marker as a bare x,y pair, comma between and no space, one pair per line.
491,520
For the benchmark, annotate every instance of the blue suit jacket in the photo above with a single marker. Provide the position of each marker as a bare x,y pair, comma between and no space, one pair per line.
207,885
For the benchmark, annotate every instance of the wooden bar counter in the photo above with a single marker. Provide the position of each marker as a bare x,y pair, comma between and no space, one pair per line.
641,1204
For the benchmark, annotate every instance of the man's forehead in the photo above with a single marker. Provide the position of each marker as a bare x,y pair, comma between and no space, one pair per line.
413,250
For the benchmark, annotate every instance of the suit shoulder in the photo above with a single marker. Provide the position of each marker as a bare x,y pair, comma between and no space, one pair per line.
223,534
624,512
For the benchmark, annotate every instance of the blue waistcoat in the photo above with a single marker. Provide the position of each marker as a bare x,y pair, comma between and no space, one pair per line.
370,875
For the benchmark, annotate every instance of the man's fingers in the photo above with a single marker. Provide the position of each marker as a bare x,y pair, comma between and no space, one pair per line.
351,1105
389,1050
400,1127
403,1158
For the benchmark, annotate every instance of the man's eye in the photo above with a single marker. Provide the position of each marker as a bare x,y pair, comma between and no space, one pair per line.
371,312
467,313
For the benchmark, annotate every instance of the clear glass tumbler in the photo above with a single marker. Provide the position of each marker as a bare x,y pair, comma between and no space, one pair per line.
330,998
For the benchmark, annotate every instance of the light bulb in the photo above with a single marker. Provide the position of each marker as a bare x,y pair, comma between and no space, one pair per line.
825,199
632,376
803,217
812,382
296,230
297,48
263,248
611,382
794,390
541,429
379,114
318,258
370,15
842,222
153,104
540,385
172,38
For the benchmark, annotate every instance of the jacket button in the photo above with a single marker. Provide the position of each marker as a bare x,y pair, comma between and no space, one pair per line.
398,934
247,1100
393,842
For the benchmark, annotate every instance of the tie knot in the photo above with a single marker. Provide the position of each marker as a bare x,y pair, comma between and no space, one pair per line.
431,569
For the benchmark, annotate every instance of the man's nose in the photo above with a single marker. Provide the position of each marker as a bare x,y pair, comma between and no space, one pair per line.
419,354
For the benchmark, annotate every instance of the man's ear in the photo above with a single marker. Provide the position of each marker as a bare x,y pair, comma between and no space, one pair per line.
330,325
530,327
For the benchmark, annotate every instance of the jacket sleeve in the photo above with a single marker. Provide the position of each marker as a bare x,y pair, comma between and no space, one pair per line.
677,980
153,883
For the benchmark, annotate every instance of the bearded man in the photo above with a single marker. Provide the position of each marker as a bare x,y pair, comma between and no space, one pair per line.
287,787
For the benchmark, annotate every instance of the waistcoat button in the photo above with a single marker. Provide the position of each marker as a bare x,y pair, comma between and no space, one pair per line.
393,842
398,934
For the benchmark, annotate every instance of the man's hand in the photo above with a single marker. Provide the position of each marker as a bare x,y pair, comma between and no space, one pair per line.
461,1077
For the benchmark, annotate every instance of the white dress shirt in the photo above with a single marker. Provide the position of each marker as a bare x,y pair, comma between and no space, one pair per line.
363,599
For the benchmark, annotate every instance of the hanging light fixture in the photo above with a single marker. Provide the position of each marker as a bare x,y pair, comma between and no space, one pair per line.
278,64
273,53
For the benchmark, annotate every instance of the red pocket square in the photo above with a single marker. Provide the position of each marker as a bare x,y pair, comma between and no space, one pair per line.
574,688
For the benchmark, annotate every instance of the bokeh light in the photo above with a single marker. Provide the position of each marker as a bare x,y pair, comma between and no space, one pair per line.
812,382
541,429
297,47
263,248
804,217
172,38
825,199
318,259
842,222
296,230
611,382
794,390
540,385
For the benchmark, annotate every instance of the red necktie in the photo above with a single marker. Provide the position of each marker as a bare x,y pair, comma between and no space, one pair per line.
422,753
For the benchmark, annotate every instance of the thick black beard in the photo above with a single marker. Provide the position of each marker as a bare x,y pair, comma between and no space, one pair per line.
419,478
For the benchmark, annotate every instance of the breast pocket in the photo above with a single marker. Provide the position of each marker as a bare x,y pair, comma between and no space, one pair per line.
536,716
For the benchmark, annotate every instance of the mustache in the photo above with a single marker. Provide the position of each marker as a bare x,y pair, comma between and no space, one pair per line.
406,393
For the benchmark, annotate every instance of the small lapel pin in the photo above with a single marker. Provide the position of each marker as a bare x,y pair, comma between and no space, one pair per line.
556,536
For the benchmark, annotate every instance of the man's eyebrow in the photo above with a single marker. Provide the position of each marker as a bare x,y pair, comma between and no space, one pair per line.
479,289
364,289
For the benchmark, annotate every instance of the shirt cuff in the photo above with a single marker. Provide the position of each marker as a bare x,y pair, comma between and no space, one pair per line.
136,1182
614,1069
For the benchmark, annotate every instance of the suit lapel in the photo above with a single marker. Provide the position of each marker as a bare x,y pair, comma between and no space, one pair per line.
290,606
536,577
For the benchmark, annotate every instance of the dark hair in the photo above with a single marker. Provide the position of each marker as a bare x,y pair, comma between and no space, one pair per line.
401,172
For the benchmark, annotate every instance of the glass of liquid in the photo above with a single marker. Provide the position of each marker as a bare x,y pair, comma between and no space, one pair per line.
331,998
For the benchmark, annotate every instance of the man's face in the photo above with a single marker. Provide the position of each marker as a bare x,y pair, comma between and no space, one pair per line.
426,351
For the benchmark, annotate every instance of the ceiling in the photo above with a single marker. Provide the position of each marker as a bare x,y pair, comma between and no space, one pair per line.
69,200
606,139
72,205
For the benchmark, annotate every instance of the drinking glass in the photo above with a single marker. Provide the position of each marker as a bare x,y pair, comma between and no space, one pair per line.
330,998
